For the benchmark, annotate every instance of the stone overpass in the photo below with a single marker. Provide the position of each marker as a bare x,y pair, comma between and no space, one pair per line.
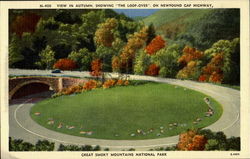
55,83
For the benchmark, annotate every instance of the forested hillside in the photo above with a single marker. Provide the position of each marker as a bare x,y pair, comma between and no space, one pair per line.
197,27
187,44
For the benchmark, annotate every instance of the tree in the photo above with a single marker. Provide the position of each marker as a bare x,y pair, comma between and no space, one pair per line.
224,65
20,145
63,40
118,45
167,58
233,143
65,64
220,24
125,28
153,70
91,20
191,71
46,58
212,72
82,58
28,50
135,42
155,45
116,64
44,145
212,144
104,35
191,61
15,50
96,67
219,141
151,33
142,62
25,23
105,54
51,24
65,16
189,54
190,141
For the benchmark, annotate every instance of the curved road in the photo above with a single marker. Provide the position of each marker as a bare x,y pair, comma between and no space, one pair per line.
22,126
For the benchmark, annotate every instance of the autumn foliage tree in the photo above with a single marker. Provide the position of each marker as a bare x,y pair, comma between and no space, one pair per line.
213,71
191,71
135,42
191,141
116,64
65,64
153,70
191,60
25,23
155,45
224,64
189,54
104,35
96,67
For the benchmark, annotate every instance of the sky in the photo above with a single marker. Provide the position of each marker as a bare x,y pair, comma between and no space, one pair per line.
136,12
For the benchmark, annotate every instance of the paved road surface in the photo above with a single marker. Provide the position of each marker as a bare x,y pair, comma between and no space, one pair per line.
22,126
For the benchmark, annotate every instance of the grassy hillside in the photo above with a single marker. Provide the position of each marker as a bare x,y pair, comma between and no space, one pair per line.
164,16
171,22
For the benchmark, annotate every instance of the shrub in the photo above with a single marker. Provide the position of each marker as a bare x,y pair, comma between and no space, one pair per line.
126,83
189,54
68,148
191,71
73,89
171,148
20,145
219,141
65,64
233,143
58,94
87,148
82,58
166,59
155,45
190,140
163,72
44,145
203,78
213,70
91,84
212,144
106,149
153,70
96,67
224,64
109,83
78,148
119,82
97,148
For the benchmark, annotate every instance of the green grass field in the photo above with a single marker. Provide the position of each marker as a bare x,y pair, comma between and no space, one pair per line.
118,112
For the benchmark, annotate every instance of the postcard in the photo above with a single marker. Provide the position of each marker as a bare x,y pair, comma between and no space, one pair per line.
125,79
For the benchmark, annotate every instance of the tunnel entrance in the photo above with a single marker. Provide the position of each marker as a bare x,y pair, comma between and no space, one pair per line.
30,89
